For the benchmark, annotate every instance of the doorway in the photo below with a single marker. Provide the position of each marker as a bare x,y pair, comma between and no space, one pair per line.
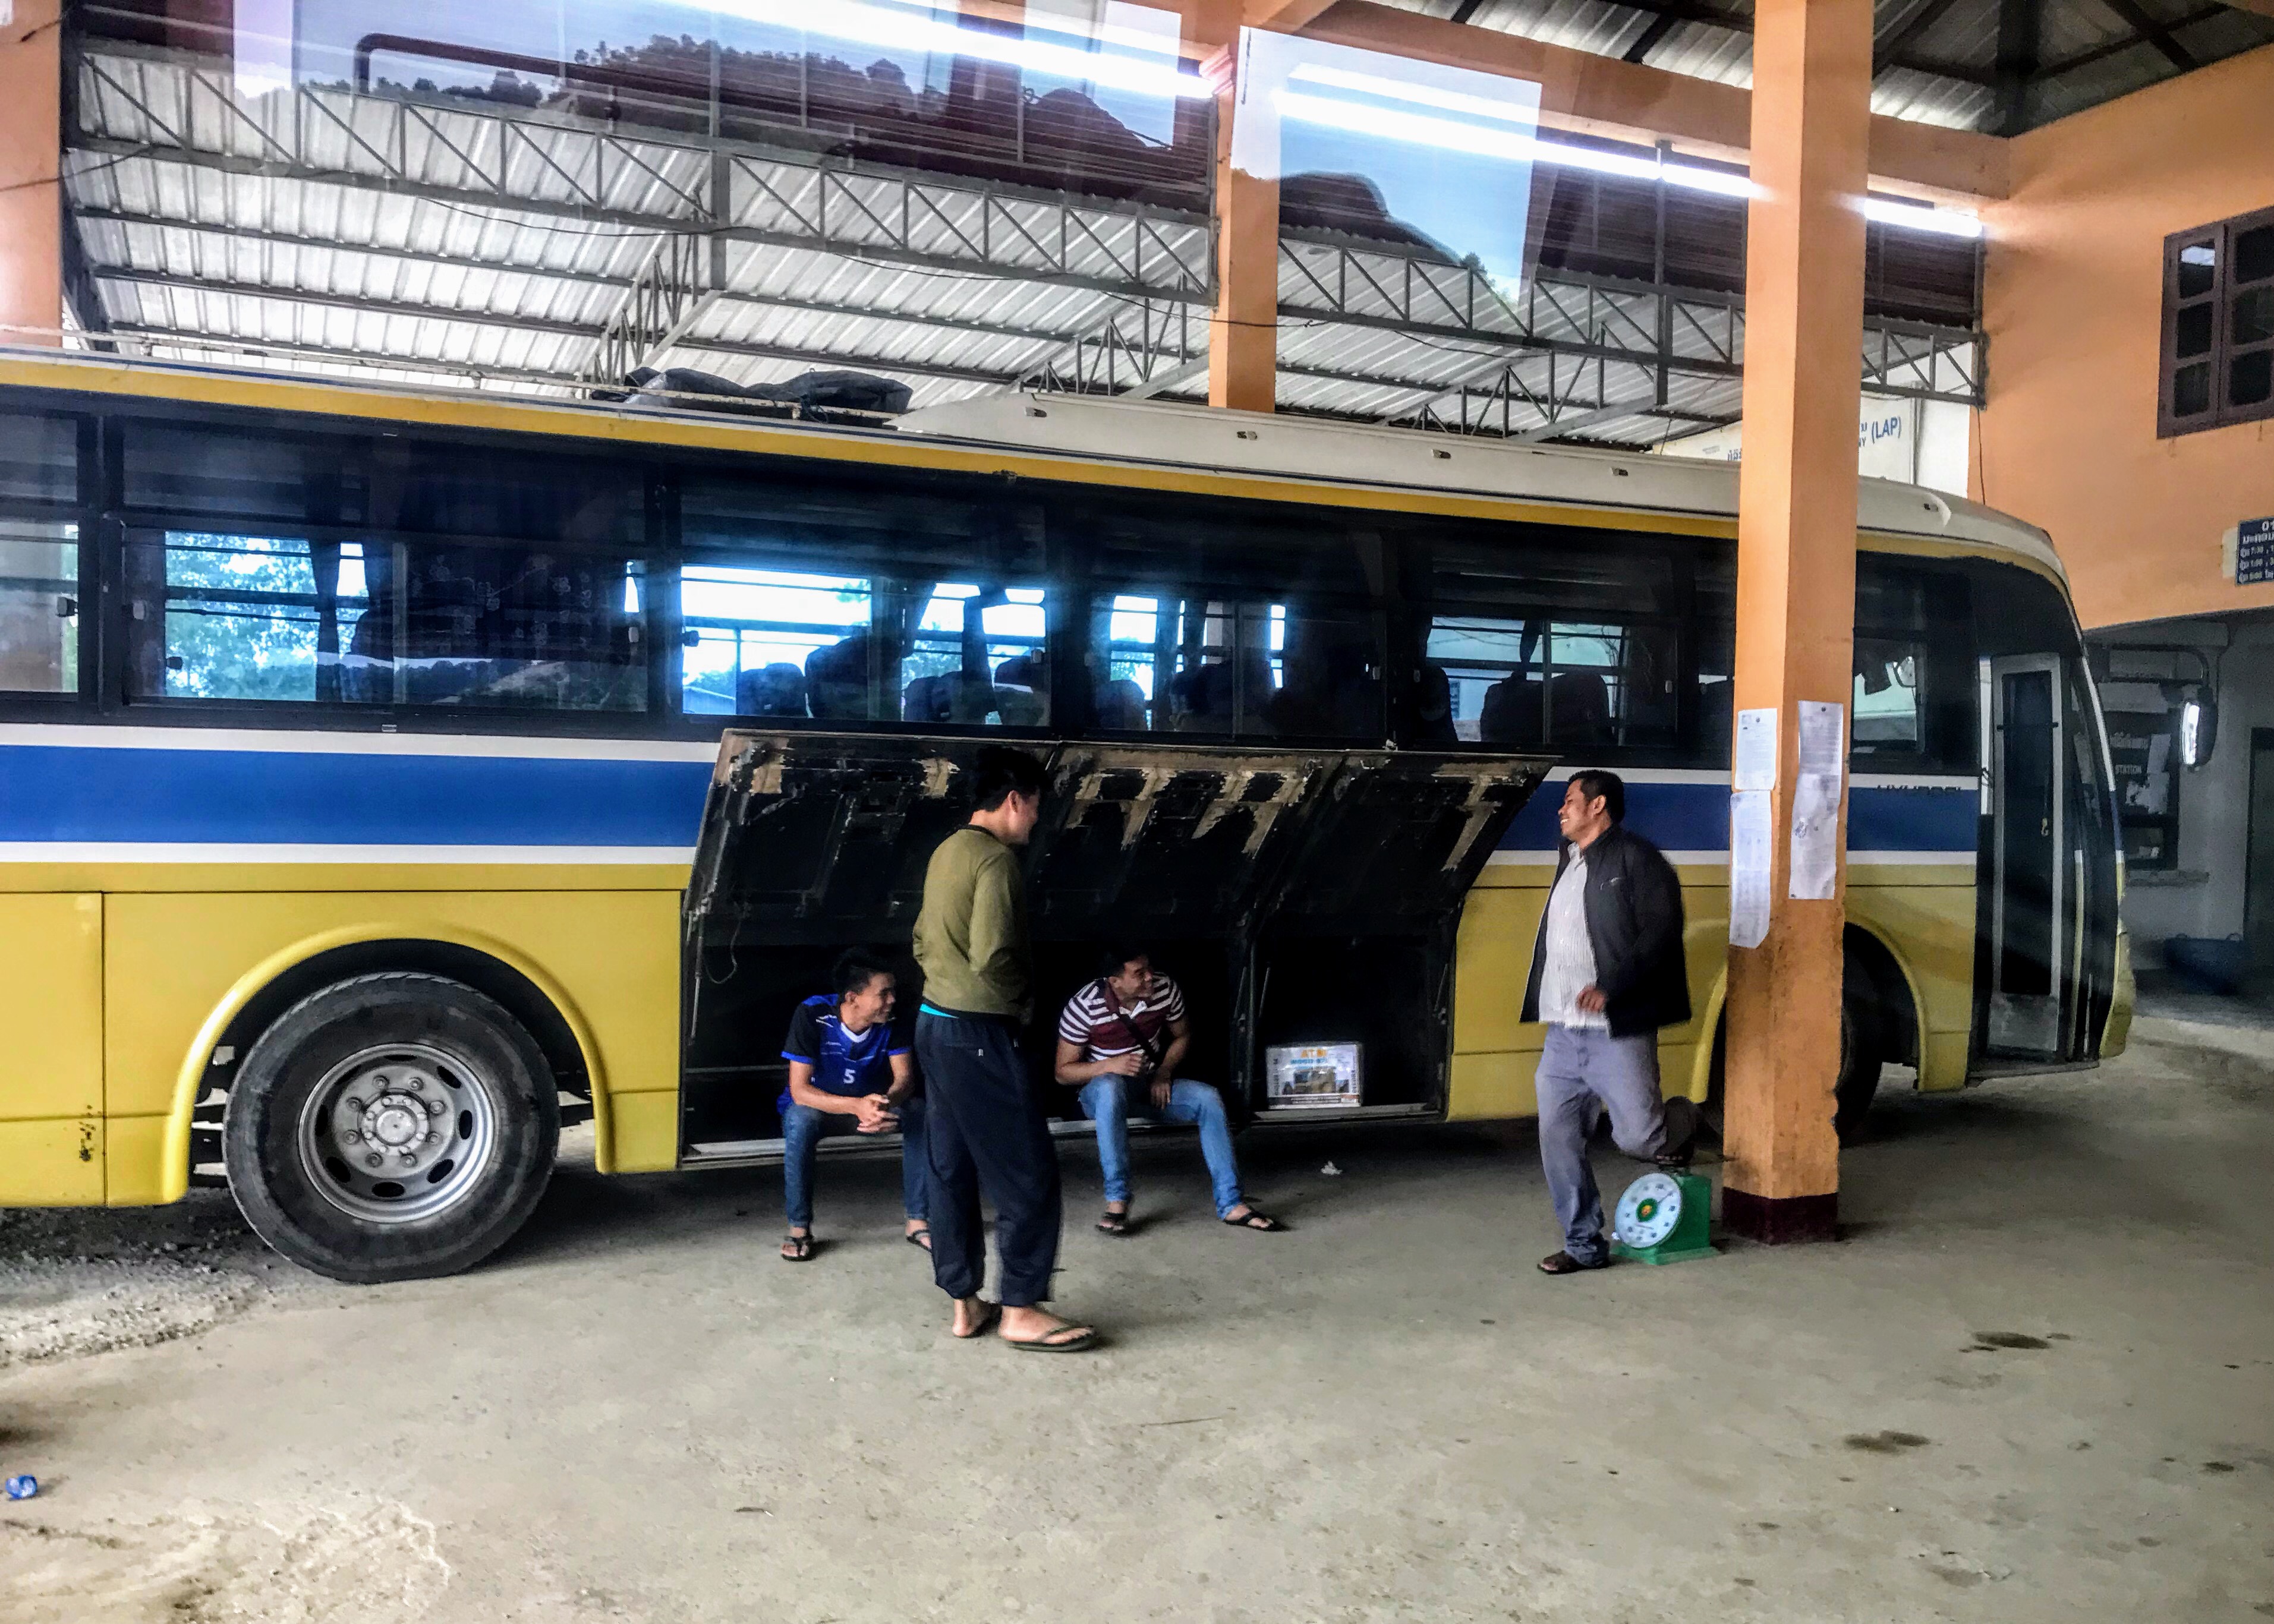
2258,883
2029,898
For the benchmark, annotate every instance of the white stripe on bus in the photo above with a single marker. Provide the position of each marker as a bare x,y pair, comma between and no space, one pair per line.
1912,858
157,852
315,742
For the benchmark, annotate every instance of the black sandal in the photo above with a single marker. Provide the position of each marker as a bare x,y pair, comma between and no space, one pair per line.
1564,1263
1116,1224
797,1248
1257,1220
918,1238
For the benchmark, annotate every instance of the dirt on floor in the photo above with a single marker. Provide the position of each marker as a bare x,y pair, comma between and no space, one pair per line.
2035,1381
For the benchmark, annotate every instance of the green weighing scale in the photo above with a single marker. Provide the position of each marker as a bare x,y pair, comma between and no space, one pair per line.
1664,1218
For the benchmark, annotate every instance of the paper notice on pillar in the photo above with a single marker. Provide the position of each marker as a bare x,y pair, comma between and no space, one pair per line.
1752,832
1823,736
1755,761
1815,836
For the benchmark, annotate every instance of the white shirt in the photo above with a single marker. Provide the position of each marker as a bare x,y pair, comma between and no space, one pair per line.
1570,967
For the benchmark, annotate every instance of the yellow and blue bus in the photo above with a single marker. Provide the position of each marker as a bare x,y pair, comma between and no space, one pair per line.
387,776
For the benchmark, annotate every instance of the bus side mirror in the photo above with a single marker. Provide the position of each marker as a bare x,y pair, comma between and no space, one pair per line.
2198,729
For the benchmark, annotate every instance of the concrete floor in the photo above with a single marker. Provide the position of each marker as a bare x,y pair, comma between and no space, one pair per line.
2035,1382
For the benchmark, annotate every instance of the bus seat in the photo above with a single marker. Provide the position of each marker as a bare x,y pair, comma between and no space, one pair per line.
1121,706
1511,713
1212,694
1023,691
1578,708
1433,705
925,699
836,677
777,689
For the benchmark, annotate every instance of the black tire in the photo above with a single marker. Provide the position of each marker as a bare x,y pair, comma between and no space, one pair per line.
1861,1059
283,1145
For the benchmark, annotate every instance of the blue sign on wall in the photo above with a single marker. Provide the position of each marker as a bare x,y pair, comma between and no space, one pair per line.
2254,551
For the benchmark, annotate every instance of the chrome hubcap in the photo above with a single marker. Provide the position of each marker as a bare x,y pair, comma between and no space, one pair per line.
398,1133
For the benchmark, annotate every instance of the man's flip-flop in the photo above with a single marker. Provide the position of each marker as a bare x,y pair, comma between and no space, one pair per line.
989,1314
1065,1339
919,1237
1564,1263
1116,1224
797,1249
1257,1220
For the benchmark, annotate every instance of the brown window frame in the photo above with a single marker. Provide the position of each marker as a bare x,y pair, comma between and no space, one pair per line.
2223,350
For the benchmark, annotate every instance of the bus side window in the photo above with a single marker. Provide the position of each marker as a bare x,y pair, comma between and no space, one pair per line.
222,616
507,627
1230,621
1886,715
1545,641
1165,660
805,599
39,607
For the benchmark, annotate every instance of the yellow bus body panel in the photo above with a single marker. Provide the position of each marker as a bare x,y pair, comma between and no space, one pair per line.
51,1138
1923,913
178,966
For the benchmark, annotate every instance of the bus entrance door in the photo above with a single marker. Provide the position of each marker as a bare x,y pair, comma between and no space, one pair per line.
2031,897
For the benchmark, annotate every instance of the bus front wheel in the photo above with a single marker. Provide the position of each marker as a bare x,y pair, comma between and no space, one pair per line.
391,1127
1861,1062
1852,1091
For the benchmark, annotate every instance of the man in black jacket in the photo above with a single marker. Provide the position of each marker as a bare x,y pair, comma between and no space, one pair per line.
1606,974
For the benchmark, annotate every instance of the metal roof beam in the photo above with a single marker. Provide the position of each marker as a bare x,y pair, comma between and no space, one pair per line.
333,244
226,343
393,308
2125,42
2020,25
490,204
1647,40
1885,54
854,361
2154,32
764,300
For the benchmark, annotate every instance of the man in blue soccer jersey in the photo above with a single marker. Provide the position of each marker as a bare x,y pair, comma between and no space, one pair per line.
846,1073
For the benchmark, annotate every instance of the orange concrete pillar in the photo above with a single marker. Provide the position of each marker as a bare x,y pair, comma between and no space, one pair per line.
31,173
1244,327
1796,583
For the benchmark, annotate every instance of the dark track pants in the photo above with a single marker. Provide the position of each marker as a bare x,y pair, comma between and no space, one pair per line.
985,1131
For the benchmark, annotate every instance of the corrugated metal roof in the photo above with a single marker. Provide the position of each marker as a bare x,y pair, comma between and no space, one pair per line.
437,239
1960,37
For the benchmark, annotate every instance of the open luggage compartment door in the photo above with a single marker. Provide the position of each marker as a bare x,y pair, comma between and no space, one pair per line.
823,837
1356,944
812,843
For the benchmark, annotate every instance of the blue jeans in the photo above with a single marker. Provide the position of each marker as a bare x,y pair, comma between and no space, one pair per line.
1577,1067
803,1128
1106,1100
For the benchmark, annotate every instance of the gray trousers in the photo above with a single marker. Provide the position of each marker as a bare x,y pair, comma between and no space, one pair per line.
1579,1066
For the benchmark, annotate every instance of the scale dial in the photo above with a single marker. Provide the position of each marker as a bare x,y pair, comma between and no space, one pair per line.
1647,1212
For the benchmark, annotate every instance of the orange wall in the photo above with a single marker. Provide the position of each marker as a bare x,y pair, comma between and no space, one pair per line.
31,202
2073,308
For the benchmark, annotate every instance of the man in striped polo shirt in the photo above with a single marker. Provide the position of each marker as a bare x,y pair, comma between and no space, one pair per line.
1121,1039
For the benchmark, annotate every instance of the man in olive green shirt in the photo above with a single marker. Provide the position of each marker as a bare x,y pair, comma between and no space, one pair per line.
986,1128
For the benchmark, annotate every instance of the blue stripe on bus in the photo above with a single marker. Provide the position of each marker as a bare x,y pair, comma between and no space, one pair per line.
277,797
1695,817
50,793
